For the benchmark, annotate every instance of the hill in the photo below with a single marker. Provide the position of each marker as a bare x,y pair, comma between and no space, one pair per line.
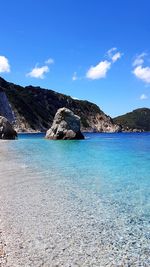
137,119
33,108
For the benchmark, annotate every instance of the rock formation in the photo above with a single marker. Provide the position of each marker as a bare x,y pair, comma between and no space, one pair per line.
66,126
5,107
34,109
6,130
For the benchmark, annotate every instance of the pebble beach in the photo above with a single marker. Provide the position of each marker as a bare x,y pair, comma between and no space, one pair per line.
47,221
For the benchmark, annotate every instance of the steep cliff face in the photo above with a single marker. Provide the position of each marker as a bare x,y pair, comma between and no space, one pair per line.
5,107
34,108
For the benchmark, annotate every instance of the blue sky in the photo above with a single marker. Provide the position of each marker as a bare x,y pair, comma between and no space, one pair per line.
97,50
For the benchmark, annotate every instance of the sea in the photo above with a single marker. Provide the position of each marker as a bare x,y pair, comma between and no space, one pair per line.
75,203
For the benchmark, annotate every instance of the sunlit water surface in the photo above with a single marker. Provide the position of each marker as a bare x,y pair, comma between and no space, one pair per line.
76,203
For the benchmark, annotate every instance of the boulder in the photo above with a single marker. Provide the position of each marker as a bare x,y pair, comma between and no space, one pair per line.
66,126
6,130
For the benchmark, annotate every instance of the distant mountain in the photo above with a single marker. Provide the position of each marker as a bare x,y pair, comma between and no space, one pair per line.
33,109
137,119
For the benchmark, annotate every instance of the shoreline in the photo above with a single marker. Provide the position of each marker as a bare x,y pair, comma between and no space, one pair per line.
38,132
49,218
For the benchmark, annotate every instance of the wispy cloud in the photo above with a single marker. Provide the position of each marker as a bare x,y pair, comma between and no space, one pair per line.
113,54
139,59
141,72
75,98
116,56
143,97
4,64
74,77
100,70
49,61
111,51
38,72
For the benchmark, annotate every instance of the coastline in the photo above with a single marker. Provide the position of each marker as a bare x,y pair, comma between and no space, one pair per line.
93,132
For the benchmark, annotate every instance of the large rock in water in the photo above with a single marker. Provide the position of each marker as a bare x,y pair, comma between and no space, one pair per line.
6,130
66,126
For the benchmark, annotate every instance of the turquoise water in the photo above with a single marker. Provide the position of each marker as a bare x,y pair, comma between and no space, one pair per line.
114,164
103,183
111,165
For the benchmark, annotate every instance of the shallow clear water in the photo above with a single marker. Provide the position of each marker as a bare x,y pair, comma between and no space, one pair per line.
105,164
91,196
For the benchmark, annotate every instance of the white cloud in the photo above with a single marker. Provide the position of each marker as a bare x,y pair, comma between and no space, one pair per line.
74,77
143,97
140,71
113,54
99,71
49,61
4,64
143,73
139,60
38,72
116,56
111,51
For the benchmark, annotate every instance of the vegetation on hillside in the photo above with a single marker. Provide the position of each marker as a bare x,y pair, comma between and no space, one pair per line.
35,107
137,119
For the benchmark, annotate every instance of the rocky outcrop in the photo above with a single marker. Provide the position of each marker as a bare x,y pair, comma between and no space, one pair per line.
5,107
34,109
100,122
6,130
66,126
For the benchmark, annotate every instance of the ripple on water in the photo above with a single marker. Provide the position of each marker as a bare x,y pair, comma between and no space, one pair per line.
75,203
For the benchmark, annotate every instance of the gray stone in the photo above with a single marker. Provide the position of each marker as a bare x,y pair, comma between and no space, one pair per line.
5,107
66,126
6,130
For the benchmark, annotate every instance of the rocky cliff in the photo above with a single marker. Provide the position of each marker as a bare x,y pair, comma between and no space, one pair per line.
5,107
33,109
